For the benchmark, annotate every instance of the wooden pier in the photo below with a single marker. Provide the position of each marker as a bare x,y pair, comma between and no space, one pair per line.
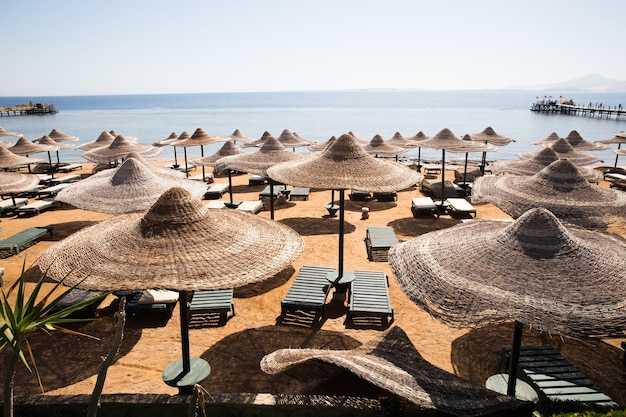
28,109
568,108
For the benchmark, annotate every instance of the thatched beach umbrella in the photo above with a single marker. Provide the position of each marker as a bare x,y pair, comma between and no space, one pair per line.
118,149
271,153
178,244
416,139
132,186
564,150
378,146
227,149
398,140
578,143
257,143
54,145
4,132
59,136
170,140
550,139
17,182
25,147
537,162
489,136
561,280
392,362
103,139
9,159
618,138
559,187
482,147
320,146
290,140
199,138
345,165
238,136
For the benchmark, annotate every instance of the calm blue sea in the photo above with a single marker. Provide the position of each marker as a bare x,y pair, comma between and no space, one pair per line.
317,116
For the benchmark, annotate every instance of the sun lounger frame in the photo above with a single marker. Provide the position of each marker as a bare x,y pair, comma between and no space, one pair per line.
16,242
216,191
265,193
35,208
8,206
378,241
210,302
423,205
358,195
299,193
459,205
250,206
133,307
69,168
307,293
52,191
64,179
369,302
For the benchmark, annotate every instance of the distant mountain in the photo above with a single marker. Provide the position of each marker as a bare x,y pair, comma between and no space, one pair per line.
591,82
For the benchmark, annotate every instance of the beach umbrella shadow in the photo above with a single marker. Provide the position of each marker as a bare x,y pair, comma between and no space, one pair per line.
312,226
475,356
64,359
241,353
278,280
371,205
413,227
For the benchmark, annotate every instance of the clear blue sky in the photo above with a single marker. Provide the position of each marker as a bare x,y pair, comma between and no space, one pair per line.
154,46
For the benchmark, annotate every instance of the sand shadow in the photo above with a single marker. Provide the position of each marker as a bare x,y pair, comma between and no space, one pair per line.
415,227
311,226
64,359
62,230
372,205
475,356
235,363
278,280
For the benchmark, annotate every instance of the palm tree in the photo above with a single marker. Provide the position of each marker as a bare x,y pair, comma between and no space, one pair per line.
28,315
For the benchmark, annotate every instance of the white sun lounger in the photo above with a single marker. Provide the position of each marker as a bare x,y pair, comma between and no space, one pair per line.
215,204
423,205
35,207
251,206
460,206
216,191
8,206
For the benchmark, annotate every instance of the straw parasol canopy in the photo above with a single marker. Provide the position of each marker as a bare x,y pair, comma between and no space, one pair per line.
53,144
534,270
320,146
171,139
229,148
537,162
17,182
358,139
119,148
178,244
559,187
199,138
548,140
24,146
104,139
618,138
398,140
59,136
259,142
378,146
345,165
564,150
290,140
4,132
578,143
158,170
392,362
132,186
488,135
9,159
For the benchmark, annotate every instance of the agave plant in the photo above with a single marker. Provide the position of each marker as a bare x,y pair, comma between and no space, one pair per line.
30,314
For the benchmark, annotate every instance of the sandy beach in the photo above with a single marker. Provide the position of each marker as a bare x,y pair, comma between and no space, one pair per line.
69,364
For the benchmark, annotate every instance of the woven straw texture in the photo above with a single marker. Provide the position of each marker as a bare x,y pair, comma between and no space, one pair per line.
577,142
320,146
548,140
104,139
9,159
238,136
132,186
418,137
159,171
229,148
559,187
271,153
290,140
537,162
4,132
617,138
15,182
391,362
119,148
568,281
564,150
199,138
398,140
178,244
346,165
57,136
489,135
620,152
445,139
172,138
24,146
259,142
378,146
54,145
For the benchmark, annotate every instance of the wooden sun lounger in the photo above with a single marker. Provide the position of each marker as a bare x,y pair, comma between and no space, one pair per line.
52,191
69,168
216,191
378,241
369,303
423,205
266,191
358,195
460,206
64,179
307,295
299,193
554,377
16,242
207,303
251,206
35,208
7,206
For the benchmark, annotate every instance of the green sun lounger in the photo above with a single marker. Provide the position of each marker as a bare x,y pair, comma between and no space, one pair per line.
369,304
305,300
16,242
211,306
378,241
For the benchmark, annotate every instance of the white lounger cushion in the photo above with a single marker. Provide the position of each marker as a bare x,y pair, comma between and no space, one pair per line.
423,203
461,204
158,296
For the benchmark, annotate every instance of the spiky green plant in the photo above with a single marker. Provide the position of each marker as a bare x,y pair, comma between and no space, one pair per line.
27,315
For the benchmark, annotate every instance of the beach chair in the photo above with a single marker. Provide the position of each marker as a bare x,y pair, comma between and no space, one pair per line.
216,191
18,241
385,197
267,194
9,205
64,179
553,376
433,189
52,191
208,177
432,169
251,206
378,241
423,205
304,302
369,304
256,180
299,193
35,208
159,302
460,206
216,204
69,168
211,307
76,296
358,195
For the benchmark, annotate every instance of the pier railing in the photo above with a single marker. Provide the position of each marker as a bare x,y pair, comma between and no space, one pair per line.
599,111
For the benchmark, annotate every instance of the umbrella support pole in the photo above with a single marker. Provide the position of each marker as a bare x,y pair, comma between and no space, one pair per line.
419,159
341,232
616,156
443,179
175,158
186,166
514,359
271,199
